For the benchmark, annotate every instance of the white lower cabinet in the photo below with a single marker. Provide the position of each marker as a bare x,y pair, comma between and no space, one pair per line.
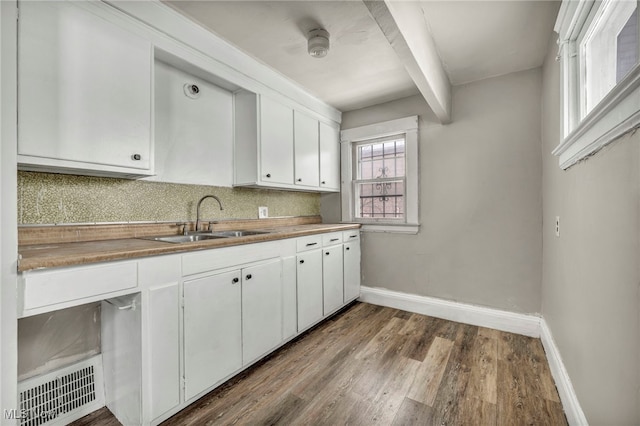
332,278
261,310
164,345
208,314
351,256
212,330
309,282
230,320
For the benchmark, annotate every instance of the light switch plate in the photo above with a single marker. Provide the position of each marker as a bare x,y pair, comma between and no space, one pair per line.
263,212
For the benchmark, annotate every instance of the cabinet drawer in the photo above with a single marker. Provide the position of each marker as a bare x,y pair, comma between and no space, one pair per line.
331,238
351,235
44,288
308,243
228,257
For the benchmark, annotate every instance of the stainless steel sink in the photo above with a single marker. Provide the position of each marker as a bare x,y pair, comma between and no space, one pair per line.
184,238
203,236
230,234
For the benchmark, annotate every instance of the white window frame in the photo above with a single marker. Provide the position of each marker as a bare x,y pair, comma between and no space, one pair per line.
615,115
408,127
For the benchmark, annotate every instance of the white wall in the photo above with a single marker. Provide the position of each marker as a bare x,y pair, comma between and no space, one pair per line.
591,273
193,137
480,199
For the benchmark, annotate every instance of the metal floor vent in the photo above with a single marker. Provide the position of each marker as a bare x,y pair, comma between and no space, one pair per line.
61,396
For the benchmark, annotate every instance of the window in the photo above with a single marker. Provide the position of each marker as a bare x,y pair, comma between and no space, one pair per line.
599,52
382,165
380,179
609,50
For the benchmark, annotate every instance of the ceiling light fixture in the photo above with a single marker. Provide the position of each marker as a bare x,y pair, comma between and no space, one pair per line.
318,43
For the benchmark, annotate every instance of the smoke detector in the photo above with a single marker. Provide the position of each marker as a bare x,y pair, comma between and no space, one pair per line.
318,43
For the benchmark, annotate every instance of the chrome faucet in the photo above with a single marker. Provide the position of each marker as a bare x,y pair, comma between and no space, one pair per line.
198,209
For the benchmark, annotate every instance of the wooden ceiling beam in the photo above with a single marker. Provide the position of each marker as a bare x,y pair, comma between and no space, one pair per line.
404,26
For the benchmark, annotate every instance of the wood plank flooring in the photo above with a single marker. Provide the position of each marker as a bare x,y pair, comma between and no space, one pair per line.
373,365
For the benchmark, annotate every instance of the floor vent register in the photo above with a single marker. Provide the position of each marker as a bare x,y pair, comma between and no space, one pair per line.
63,395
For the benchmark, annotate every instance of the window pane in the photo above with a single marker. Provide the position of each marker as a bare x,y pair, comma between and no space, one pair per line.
381,200
627,45
381,159
610,50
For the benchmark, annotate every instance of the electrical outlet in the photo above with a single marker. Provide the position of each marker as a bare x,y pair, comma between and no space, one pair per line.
557,226
263,212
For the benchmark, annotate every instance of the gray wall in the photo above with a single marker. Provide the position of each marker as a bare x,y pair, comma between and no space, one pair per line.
480,199
591,275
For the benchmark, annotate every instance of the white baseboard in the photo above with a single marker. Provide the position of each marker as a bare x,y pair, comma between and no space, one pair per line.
570,403
528,325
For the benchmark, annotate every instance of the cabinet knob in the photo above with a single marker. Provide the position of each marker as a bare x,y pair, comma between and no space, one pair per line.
299,179
235,280
136,157
302,261
327,253
248,276
346,248
324,182
268,175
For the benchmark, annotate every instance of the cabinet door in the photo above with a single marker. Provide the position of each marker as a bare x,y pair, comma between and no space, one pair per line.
164,348
351,270
276,142
289,298
332,278
329,157
212,330
261,310
307,162
84,88
309,282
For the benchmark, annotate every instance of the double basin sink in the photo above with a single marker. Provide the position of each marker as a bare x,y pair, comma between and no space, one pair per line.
204,236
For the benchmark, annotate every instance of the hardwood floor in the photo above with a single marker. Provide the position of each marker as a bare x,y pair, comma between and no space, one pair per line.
375,365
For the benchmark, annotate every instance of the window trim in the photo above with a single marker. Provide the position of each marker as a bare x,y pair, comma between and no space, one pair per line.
407,126
615,115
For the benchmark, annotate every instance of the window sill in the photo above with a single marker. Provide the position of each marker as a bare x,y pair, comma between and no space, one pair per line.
390,228
617,114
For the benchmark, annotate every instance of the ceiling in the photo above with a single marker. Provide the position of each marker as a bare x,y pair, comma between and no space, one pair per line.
474,40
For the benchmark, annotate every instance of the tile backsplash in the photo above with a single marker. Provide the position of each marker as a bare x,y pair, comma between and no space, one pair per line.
48,198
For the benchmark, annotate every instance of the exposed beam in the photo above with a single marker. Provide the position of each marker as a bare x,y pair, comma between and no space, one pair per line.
404,26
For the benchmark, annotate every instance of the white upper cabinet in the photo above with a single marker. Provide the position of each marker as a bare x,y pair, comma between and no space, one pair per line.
307,165
278,146
329,157
263,141
276,142
84,92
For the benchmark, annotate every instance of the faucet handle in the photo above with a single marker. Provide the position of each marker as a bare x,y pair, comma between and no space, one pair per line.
185,227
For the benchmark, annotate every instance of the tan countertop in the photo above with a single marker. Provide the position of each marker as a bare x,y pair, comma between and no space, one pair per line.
56,254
